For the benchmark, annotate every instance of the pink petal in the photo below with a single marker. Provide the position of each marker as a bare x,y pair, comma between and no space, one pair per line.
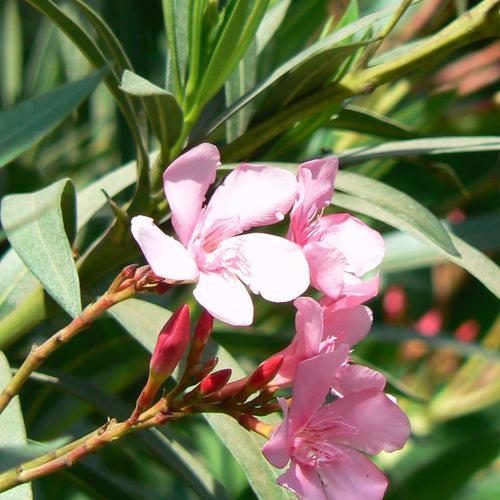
250,196
380,423
355,378
315,187
355,479
354,292
225,298
363,247
326,265
313,380
304,481
277,449
186,181
349,325
166,256
307,340
272,266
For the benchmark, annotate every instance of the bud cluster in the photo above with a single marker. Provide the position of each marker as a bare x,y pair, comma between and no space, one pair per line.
200,389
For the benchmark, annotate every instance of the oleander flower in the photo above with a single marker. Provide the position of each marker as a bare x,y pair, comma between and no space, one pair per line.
339,248
325,443
319,331
212,251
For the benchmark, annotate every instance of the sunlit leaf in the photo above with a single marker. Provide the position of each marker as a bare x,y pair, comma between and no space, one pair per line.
38,226
424,146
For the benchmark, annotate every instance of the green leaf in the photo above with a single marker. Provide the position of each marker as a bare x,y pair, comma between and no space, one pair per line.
143,321
12,432
239,82
175,14
397,208
38,226
164,112
11,53
415,147
26,123
241,20
466,256
270,23
16,282
110,41
295,62
365,121
404,252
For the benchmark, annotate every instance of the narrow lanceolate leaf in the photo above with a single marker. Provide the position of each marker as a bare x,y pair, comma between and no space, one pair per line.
175,15
404,252
143,321
26,123
38,232
425,146
238,83
12,432
398,206
241,20
163,110
365,121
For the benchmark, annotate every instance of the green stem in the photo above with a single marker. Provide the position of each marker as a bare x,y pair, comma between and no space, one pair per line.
480,22
371,49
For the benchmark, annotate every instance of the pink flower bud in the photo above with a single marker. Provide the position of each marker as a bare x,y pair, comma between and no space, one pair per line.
215,381
467,331
203,329
395,303
430,323
263,374
171,344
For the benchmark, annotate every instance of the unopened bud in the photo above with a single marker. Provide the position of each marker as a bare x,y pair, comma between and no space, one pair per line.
215,381
263,374
202,370
203,329
171,344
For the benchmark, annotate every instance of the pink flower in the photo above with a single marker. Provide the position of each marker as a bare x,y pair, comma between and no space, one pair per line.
325,443
339,248
319,331
212,252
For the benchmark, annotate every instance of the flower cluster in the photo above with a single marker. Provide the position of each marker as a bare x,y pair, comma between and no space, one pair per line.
338,411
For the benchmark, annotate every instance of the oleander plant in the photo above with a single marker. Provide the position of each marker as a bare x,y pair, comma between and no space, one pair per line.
247,249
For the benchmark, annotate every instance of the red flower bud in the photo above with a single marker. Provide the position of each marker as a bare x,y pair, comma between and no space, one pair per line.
215,381
263,374
171,344
203,330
